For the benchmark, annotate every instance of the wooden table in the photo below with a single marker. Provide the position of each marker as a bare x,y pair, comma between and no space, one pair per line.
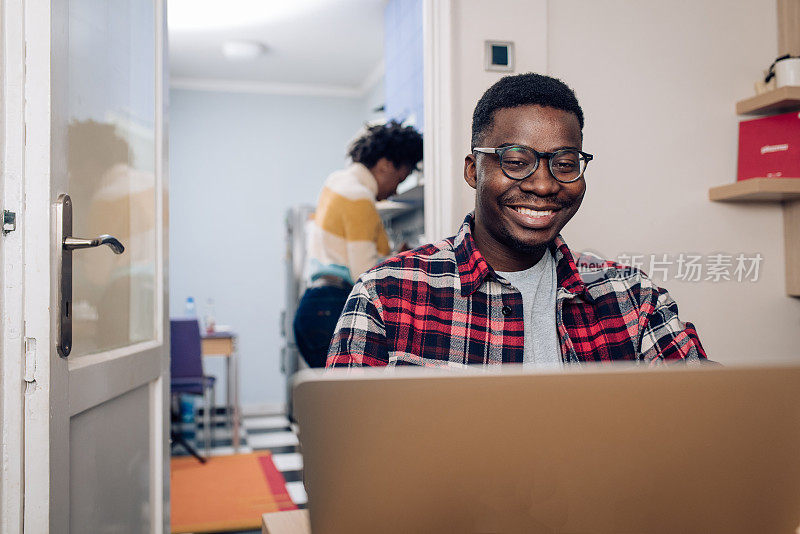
291,522
297,522
224,344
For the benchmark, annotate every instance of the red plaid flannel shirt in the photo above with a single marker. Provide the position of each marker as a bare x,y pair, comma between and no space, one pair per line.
442,304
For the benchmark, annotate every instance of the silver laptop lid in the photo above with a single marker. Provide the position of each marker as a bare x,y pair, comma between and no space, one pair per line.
597,449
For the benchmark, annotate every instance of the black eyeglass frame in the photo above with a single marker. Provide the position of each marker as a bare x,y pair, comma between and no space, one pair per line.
500,151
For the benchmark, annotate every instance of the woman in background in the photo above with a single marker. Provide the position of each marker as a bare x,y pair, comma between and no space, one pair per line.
346,235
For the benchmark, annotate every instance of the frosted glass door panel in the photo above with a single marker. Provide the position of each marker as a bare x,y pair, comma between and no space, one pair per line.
110,493
111,154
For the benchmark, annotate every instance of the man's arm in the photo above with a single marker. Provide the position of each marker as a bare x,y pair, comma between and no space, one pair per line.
365,236
360,335
664,336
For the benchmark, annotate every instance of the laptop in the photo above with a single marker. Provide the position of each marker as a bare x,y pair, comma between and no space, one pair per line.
585,450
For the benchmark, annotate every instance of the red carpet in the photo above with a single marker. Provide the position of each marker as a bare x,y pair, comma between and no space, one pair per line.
226,493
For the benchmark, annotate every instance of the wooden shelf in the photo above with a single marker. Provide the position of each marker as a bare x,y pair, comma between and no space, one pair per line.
757,190
777,101
783,190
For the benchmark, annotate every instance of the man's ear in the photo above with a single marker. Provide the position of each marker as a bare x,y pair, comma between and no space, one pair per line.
470,171
381,166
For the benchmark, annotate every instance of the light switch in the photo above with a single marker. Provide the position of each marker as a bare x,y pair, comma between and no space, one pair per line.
499,56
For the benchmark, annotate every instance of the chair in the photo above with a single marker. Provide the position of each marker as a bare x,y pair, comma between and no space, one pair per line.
186,368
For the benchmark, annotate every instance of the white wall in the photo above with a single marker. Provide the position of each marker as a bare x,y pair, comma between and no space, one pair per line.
520,21
372,100
658,82
237,162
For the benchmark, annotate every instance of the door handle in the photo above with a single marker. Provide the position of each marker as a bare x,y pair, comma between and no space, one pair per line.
72,243
68,244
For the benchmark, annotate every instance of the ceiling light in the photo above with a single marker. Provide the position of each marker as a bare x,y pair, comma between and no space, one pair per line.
242,50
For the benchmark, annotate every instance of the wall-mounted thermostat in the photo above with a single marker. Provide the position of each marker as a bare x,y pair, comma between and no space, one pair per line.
499,56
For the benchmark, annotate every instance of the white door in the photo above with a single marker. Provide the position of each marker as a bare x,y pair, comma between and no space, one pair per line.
95,443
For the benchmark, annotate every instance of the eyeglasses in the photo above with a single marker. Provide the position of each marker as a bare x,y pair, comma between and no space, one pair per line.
518,162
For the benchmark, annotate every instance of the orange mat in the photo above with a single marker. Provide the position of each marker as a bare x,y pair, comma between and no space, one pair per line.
226,493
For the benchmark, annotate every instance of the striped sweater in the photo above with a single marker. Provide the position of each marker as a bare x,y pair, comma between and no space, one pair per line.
346,236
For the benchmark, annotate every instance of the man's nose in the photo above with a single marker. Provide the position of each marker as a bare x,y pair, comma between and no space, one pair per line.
541,183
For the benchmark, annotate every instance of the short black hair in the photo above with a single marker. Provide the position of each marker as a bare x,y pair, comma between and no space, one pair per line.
402,145
522,90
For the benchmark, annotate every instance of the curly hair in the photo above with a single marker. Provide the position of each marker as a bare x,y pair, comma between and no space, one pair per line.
522,90
402,145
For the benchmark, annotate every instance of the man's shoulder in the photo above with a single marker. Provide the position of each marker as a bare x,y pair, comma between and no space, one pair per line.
346,183
431,259
603,277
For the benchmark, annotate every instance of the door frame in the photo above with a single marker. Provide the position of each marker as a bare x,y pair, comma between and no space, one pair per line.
437,36
12,143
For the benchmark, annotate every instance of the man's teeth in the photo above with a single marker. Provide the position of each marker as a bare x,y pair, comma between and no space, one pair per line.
533,213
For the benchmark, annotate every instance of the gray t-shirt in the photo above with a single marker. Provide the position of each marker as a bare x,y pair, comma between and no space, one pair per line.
538,288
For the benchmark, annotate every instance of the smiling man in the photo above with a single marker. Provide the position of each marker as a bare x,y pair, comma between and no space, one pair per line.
506,288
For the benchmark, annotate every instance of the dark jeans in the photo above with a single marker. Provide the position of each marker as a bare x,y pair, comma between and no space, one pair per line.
316,320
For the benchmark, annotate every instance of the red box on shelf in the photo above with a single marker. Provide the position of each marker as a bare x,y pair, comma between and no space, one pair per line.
769,147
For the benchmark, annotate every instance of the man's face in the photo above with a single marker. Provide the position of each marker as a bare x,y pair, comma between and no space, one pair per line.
389,177
516,219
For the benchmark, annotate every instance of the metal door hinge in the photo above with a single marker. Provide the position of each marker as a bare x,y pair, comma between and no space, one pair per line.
9,221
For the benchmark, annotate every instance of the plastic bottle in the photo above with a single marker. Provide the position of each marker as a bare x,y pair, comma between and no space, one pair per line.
209,321
191,310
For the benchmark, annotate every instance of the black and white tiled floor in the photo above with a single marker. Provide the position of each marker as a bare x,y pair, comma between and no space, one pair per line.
273,433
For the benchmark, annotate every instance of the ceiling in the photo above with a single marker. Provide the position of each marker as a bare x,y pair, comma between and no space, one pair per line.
323,45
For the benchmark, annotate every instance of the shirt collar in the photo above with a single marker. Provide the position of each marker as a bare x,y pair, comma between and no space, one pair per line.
364,177
473,269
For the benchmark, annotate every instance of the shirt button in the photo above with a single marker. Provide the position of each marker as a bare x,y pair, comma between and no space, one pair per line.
506,310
